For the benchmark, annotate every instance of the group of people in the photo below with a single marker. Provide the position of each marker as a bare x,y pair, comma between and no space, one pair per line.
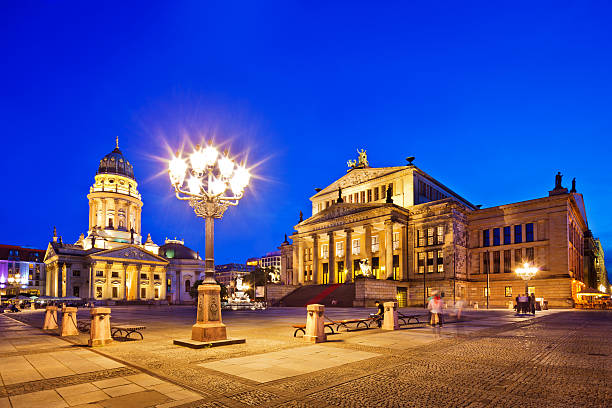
525,304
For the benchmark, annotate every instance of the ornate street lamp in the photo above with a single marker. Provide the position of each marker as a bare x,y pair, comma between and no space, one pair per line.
215,182
526,272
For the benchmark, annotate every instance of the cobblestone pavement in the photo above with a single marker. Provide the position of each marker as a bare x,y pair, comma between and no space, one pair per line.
490,358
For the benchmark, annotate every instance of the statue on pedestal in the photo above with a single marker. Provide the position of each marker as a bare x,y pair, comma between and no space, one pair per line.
558,178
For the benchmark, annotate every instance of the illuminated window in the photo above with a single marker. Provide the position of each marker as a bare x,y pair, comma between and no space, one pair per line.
362,197
508,291
99,274
485,292
356,246
98,292
339,248
369,196
430,261
324,251
375,243
421,262
420,238
430,236
440,238
396,240
440,261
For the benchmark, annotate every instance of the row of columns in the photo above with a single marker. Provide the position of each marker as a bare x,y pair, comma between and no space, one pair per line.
94,206
299,262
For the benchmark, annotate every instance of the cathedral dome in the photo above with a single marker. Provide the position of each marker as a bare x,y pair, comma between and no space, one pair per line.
174,249
115,163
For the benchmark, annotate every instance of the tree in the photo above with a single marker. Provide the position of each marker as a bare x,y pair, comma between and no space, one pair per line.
193,291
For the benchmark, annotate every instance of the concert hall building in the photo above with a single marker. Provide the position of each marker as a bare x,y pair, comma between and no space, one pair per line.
398,233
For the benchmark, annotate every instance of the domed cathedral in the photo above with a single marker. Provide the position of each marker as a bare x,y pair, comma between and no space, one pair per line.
111,263
115,205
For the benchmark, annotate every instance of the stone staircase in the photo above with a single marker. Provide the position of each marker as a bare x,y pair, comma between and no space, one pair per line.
343,293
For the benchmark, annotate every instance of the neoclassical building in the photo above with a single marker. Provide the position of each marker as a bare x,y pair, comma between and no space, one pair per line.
412,235
111,263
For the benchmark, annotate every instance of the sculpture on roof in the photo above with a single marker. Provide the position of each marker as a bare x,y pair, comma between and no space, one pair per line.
558,178
362,161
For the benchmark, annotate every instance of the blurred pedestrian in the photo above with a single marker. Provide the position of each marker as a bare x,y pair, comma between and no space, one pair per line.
459,307
532,303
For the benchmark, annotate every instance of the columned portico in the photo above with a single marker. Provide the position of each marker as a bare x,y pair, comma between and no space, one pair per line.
315,259
389,248
348,254
331,267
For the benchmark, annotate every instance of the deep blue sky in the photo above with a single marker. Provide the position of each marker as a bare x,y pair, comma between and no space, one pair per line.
493,99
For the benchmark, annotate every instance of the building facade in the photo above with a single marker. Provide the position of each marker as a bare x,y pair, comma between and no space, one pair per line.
404,229
22,270
110,263
185,267
226,274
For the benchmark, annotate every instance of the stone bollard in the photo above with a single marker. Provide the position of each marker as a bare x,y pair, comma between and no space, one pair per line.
315,326
390,321
100,333
50,322
69,327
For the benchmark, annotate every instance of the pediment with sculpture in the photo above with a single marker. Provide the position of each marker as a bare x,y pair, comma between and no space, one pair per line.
131,253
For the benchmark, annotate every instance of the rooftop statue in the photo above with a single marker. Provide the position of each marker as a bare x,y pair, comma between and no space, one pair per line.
362,161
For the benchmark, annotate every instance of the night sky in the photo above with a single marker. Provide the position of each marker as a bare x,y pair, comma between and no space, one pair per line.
492,98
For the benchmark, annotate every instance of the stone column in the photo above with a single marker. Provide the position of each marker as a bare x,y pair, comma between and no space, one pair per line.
50,322
104,215
348,254
315,327
390,321
208,325
389,248
368,244
60,276
128,214
125,282
99,331
332,258
300,261
138,270
404,252
315,259
116,214
69,327
295,248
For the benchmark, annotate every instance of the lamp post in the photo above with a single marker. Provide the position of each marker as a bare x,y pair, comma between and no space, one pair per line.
526,272
215,183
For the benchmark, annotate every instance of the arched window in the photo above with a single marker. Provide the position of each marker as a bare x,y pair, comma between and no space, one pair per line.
187,285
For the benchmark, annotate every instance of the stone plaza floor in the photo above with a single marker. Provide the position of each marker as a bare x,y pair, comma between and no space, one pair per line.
560,358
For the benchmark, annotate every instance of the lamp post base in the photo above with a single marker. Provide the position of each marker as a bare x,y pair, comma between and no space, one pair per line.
209,326
208,332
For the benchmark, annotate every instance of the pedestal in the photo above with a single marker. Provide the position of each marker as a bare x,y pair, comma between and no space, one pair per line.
390,321
208,325
315,326
50,322
69,327
100,333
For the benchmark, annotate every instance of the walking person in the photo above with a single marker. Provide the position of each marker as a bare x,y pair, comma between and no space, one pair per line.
532,303
435,306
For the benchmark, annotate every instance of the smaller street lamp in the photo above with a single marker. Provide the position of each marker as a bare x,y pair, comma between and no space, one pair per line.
527,272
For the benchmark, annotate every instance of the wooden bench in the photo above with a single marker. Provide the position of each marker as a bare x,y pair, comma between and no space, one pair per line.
302,328
358,322
125,330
